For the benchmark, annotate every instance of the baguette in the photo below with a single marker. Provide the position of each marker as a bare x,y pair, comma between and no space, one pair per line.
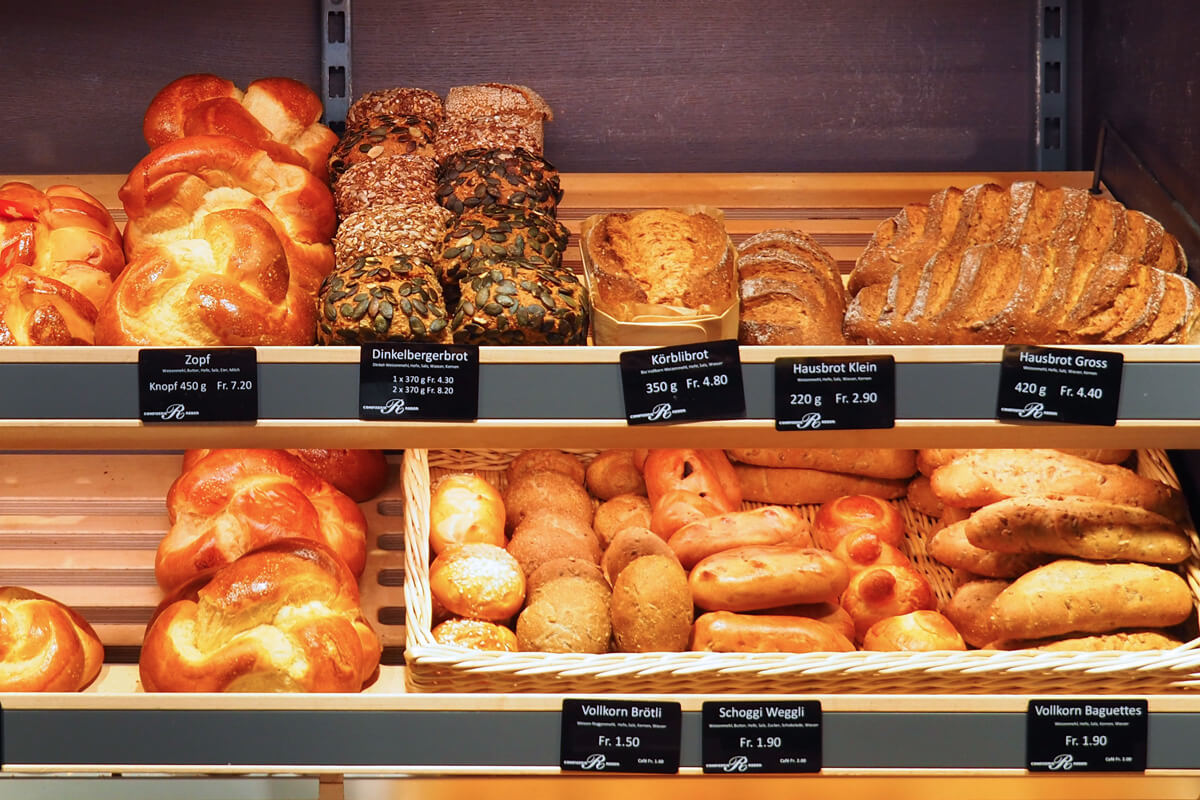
1071,596
921,497
1128,641
988,476
1080,527
950,546
786,486
930,459
970,609
869,462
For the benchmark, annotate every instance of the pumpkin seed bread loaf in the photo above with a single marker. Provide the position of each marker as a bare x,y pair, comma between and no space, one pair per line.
516,302
492,233
382,135
399,102
388,180
515,177
382,298
415,229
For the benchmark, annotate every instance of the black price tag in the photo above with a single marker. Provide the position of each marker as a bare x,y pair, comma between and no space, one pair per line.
418,381
835,393
196,385
683,383
620,736
1086,735
1043,384
762,736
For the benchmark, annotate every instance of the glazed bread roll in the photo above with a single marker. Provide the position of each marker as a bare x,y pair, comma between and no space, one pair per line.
628,546
234,501
678,508
726,632
788,486
841,516
986,476
760,526
529,461
951,547
758,577
475,634
45,646
921,630
831,614
885,591
612,473
623,511
862,549
359,474
870,462
285,618
465,508
1070,596
1082,527
478,581
970,609
706,473
651,606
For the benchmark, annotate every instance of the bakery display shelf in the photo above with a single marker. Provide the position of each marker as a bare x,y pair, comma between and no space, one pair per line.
87,398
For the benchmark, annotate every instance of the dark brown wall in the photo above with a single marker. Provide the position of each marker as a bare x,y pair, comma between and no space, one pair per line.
685,85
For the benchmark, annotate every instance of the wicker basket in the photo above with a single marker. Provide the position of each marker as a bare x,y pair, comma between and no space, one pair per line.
434,667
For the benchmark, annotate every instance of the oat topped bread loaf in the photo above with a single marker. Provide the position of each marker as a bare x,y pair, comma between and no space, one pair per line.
382,135
400,101
502,177
415,229
1023,264
382,298
660,257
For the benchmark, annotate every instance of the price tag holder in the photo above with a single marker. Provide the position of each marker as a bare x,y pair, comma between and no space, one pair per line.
835,393
1052,384
683,383
1103,735
403,381
198,385
620,736
761,736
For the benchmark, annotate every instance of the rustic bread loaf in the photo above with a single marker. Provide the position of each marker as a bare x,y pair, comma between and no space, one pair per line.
790,290
873,462
660,257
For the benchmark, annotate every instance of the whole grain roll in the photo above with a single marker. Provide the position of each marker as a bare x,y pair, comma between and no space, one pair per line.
552,491
651,607
623,511
630,545
545,535
562,568
399,101
568,615
612,473
379,136
542,460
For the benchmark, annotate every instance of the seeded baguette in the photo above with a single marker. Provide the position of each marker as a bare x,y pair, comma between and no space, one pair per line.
988,476
1081,527
950,546
1071,596
930,459
1128,641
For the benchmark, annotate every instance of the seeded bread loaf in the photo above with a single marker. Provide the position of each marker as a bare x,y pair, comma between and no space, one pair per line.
382,298
399,101
514,177
503,131
388,180
415,229
382,135
790,289
493,233
491,99
660,257
515,302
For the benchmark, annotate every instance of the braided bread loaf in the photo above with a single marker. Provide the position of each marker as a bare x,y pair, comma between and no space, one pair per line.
44,645
361,474
278,115
234,501
284,618
59,253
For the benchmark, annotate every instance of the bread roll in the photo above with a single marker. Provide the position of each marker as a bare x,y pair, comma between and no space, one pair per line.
725,632
547,534
831,614
951,547
885,591
563,568
1081,527
707,473
869,462
465,508
651,606
623,511
545,490
804,486
985,476
545,460
758,577
678,508
921,630
970,609
630,545
929,460
847,514
863,549
45,646
568,615
760,526
921,497
478,581
1070,596
612,473
475,634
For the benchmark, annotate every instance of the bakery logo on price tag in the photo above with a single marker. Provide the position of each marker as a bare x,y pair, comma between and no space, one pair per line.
1044,384
190,385
403,381
1102,735
620,736
761,736
683,383
835,393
